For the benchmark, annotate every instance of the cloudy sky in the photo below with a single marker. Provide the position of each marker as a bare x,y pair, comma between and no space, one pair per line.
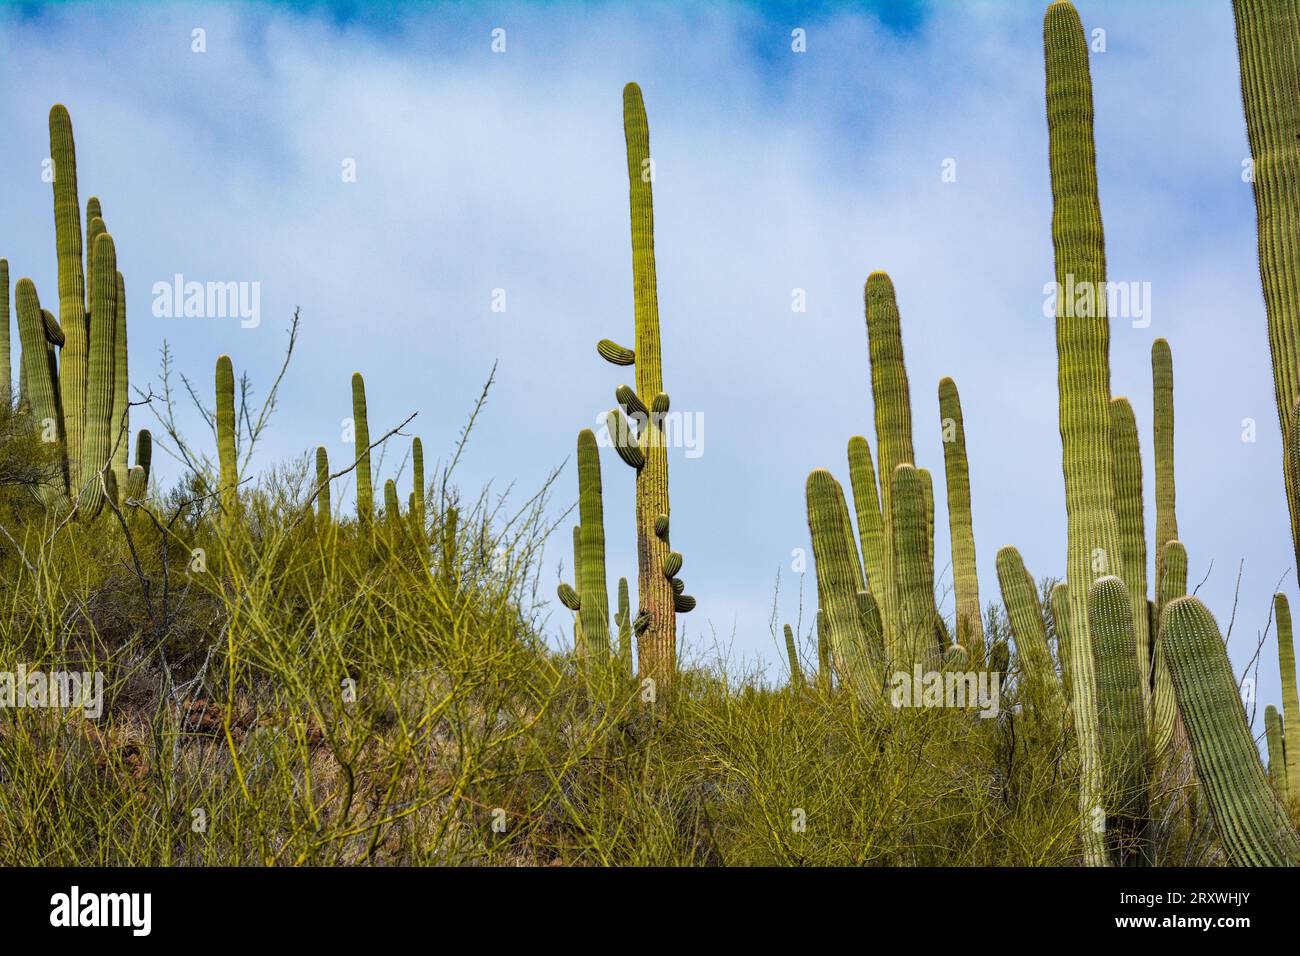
775,171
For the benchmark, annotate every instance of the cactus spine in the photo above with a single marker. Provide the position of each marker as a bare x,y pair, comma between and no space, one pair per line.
1126,460
361,434
1290,722
970,634
1251,823
1122,720
1083,375
893,413
226,452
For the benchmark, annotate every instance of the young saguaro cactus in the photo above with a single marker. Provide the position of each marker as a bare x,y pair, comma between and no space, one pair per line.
623,618
417,507
1083,376
792,654
970,634
594,610
226,451
1290,699
361,437
656,620
324,513
1251,822
866,501
6,370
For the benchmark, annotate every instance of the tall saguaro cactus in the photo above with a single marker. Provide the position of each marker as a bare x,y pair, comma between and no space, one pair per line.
361,436
97,436
1083,373
657,564
72,290
1270,77
965,580
893,412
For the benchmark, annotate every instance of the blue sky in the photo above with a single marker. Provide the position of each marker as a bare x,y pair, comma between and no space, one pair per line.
774,171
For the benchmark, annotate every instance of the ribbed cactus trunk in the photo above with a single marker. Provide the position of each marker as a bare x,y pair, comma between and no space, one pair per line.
1083,372
6,369
657,642
417,505
41,383
324,513
1290,699
624,620
1270,92
97,437
792,655
914,575
866,501
592,583
1126,460
1164,709
1277,764
361,434
120,422
1122,720
72,290
1025,613
893,414
1162,387
1251,822
226,451
966,588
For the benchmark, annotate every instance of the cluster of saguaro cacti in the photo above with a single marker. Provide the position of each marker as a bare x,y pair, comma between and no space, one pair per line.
660,591
1142,682
73,376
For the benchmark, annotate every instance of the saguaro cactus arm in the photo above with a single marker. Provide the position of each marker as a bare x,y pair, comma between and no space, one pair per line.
361,435
1020,596
970,633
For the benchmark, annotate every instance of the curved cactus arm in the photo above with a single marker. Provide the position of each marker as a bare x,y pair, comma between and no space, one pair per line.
630,400
1290,700
361,437
226,451
625,441
1020,596
1122,721
569,597
965,579
1277,763
614,353
1251,822
839,581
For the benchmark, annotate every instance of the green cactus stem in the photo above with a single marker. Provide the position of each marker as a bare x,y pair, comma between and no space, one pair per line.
75,357
824,665
623,618
1060,598
1290,699
615,353
40,377
392,507
625,440
1277,763
966,593
361,434
578,643
569,597
120,422
631,401
1122,720
1162,382
1173,580
672,564
98,434
792,655
839,581
1020,597
1250,821
866,502
591,576
417,507
1083,376
449,546
661,528
6,368
914,641
324,513
1126,462
226,452
893,412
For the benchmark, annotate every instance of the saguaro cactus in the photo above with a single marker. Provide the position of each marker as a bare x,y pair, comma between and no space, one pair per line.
866,501
6,370
893,412
594,610
324,514
97,436
1126,460
1025,612
361,435
417,464
1290,699
916,620
1251,823
623,618
1277,763
1162,382
792,654
1173,583
226,451
72,291
659,602
1270,76
970,633
1122,719
120,422
1083,376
